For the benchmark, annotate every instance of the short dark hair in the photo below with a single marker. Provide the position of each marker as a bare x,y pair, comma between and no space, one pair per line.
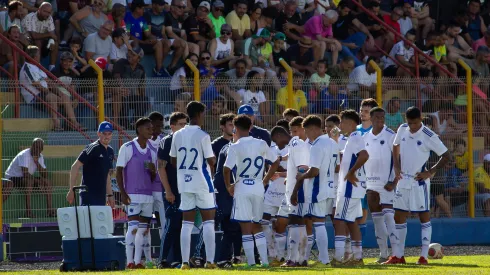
223,119
474,1
140,122
290,112
176,116
369,59
296,121
205,51
244,2
376,110
412,32
270,12
342,4
369,102
324,62
195,108
283,123
333,118
76,40
14,5
350,114
279,130
243,61
155,116
413,113
348,59
242,122
250,77
312,120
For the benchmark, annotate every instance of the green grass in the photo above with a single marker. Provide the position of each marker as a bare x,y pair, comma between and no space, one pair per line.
447,266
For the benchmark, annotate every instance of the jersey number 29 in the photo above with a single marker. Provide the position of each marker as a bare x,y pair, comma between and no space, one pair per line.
258,163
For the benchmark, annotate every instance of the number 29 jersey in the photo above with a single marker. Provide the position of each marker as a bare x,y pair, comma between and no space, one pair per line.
192,146
249,155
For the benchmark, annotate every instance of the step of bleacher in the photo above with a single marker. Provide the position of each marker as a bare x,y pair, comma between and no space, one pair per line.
62,178
7,98
27,124
59,151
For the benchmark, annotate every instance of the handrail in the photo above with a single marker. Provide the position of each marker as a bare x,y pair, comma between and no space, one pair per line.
16,49
290,81
469,114
197,83
100,90
379,88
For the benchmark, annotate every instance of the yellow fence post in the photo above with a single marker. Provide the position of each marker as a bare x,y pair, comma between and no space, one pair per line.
197,83
379,87
469,114
290,81
100,89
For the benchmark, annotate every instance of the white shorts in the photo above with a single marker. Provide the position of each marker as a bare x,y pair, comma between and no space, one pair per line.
158,203
320,209
247,208
299,210
413,200
283,209
192,201
348,209
140,209
385,197
271,210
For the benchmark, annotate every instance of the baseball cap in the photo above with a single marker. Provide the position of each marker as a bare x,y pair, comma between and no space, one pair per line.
218,4
279,36
138,4
101,62
137,49
158,2
67,55
246,110
486,157
105,126
206,5
262,33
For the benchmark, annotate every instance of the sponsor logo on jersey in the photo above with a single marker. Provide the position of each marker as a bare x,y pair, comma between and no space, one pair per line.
248,182
187,178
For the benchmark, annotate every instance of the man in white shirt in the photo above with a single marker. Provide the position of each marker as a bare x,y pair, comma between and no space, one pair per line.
135,172
412,146
324,155
21,174
191,153
363,80
248,190
402,52
406,21
351,189
380,181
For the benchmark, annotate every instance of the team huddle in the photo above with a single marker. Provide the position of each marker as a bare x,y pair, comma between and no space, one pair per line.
279,194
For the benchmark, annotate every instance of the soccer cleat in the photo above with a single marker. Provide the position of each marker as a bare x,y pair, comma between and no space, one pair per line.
139,266
237,260
149,265
130,266
304,263
247,266
175,265
422,261
289,263
381,260
265,265
335,263
354,262
225,264
392,260
196,262
185,266
163,265
348,257
209,265
275,263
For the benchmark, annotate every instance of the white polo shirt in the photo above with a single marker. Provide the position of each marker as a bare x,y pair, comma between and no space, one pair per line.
354,145
379,166
23,159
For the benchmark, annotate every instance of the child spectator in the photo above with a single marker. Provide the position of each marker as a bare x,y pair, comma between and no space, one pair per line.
460,156
331,101
278,51
79,62
253,94
283,76
320,80
120,45
393,115
181,102
299,98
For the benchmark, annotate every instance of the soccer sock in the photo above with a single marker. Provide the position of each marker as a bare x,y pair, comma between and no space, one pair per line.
293,243
426,236
138,242
280,239
163,220
381,233
261,244
340,243
248,247
401,229
389,218
130,236
209,240
185,240
363,228
309,245
303,243
147,246
357,249
321,241
348,244
267,230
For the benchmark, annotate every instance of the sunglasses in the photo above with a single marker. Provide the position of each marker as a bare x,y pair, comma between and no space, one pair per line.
180,7
225,33
206,58
219,9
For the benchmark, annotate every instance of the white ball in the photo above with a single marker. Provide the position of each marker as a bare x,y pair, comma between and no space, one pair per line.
436,251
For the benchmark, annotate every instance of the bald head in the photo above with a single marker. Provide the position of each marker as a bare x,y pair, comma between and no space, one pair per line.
37,147
44,11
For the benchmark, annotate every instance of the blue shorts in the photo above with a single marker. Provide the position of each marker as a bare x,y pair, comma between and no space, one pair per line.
364,203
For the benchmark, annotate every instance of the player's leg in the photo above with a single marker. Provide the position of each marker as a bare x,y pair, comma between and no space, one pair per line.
133,211
319,212
188,208
355,210
242,213
267,229
386,199
340,230
258,234
281,236
373,199
206,202
402,207
294,239
362,221
143,226
420,199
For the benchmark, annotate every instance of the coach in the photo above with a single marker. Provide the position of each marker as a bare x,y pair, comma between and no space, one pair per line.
96,162
255,132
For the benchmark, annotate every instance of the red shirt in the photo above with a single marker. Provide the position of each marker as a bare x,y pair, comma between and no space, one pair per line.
394,24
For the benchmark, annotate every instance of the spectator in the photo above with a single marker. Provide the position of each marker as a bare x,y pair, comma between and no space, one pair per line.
238,75
6,56
255,15
239,22
421,19
363,80
89,19
319,80
479,65
205,68
258,53
211,119
11,16
476,25
343,69
265,20
117,16
306,8
31,5
199,27
331,101
79,63
182,79
462,18
443,120
393,115
403,53
181,101
217,18
120,45
289,114
222,86
21,174
289,15
222,49
278,51
253,95
482,183
461,156
40,28
392,21
301,56
484,41
173,30
456,45
99,44
382,38
440,54
405,21
319,29
299,98
35,90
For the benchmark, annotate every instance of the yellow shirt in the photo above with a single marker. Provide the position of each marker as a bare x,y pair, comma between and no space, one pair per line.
481,176
439,52
236,23
299,100
266,50
462,161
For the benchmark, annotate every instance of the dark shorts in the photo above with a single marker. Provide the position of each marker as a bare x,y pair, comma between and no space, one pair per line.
147,48
390,71
436,189
20,181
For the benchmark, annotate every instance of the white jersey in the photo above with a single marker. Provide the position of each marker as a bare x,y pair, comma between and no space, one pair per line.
276,190
379,166
415,151
192,146
324,154
249,154
299,155
354,145
341,145
342,141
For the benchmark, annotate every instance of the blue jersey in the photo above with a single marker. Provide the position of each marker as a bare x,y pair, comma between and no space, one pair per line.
261,133
223,199
363,130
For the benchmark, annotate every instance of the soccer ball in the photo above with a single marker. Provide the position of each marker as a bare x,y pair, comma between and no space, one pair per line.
436,251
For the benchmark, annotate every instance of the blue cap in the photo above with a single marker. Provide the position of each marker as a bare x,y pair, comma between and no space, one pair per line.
105,127
246,110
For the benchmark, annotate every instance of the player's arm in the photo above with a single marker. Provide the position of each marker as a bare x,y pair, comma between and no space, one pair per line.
108,191
230,162
75,168
163,155
173,152
272,169
121,163
362,157
436,145
208,153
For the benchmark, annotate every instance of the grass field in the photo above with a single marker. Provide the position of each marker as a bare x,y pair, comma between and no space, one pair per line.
447,266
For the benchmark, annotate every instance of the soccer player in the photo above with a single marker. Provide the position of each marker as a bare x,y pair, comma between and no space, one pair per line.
248,191
168,177
289,114
135,172
255,131
351,189
412,146
380,181
192,154
320,188
333,122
